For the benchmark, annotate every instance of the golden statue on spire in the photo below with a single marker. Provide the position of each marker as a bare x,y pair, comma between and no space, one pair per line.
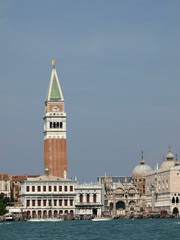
53,63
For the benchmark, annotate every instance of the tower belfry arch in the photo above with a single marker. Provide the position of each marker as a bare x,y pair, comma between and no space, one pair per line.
55,156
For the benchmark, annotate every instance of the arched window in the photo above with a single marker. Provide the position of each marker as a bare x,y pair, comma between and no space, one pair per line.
94,198
44,214
87,198
50,124
177,200
54,125
61,125
173,200
39,214
175,211
57,125
81,198
111,206
50,213
34,214
55,213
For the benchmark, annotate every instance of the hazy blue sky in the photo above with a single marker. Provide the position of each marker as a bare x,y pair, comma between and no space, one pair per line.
118,64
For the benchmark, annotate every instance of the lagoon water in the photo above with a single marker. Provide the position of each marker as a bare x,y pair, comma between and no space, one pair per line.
84,230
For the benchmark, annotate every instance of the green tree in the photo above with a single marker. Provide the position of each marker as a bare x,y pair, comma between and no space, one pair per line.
4,198
2,208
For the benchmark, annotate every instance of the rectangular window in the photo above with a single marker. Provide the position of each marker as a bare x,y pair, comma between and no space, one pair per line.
33,188
28,203
39,202
71,202
60,188
5,187
49,188
27,188
55,188
71,188
39,188
50,203
44,202
60,202
65,188
33,203
65,202
55,202
44,188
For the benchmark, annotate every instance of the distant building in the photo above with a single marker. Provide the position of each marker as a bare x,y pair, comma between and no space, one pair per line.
163,187
114,179
16,187
47,196
125,195
51,196
89,199
121,198
5,184
138,176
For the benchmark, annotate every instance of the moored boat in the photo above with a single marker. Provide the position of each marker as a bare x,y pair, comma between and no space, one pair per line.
96,219
45,220
9,218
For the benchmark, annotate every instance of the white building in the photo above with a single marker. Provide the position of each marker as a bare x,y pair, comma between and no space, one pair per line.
5,185
163,187
47,196
89,199
50,196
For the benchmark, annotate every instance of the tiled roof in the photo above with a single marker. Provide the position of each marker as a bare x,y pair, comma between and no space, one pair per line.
4,176
18,177
33,176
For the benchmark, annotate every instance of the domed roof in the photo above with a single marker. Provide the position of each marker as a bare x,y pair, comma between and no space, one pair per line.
169,163
169,156
141,169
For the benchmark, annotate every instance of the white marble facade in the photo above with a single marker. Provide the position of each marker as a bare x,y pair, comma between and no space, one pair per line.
89,199
163,187
50,196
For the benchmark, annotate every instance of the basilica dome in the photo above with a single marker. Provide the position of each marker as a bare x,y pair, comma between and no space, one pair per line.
169,163
141,169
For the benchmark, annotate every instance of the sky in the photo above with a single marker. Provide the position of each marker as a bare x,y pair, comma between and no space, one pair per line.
118,66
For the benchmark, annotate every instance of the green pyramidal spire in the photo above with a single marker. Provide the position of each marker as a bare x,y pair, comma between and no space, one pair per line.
54,90
55,93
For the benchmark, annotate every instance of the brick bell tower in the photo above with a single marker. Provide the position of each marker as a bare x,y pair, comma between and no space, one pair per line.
55,158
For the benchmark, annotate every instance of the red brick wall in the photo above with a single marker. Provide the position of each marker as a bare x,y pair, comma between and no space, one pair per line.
58,156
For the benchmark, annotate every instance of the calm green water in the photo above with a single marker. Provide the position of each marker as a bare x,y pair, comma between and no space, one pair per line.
82,230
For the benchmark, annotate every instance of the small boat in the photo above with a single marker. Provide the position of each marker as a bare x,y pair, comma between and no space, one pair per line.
9,218
53,219
96,219
36,220
45,220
